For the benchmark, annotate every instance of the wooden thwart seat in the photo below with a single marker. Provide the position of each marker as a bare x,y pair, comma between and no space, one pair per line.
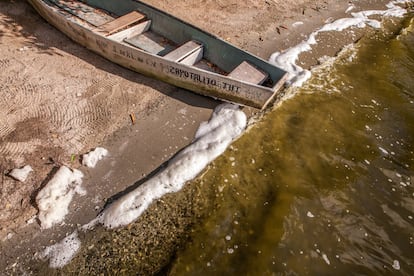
188,53
248,73
131,32
183,51
120,23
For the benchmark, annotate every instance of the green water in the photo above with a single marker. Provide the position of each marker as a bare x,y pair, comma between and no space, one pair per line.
324,183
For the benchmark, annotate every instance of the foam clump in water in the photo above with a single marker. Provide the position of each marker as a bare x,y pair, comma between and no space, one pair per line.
396,265
63,252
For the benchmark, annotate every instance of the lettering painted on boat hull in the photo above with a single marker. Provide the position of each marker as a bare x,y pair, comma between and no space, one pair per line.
198,78
175,71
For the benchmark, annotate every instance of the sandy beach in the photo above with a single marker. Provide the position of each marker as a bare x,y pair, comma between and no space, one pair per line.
60,100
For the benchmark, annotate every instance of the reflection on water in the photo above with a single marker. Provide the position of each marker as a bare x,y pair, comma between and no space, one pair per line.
323,184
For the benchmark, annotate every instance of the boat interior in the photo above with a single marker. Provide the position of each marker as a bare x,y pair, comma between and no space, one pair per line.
146,28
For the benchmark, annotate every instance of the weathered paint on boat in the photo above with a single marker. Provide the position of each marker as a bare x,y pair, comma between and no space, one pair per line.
204,82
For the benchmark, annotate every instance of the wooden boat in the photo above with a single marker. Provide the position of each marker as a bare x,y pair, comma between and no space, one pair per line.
154,43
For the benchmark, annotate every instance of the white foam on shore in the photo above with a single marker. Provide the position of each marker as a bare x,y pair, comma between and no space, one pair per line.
350,8
287,59
63,252
211,140
54,199
91,158
296,24
21,174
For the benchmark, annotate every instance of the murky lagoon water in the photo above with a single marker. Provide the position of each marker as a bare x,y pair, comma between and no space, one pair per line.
323,184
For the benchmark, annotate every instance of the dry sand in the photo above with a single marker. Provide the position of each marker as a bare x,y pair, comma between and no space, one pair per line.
59,100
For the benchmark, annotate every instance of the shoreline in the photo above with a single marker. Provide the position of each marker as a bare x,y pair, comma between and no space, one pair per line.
118,145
